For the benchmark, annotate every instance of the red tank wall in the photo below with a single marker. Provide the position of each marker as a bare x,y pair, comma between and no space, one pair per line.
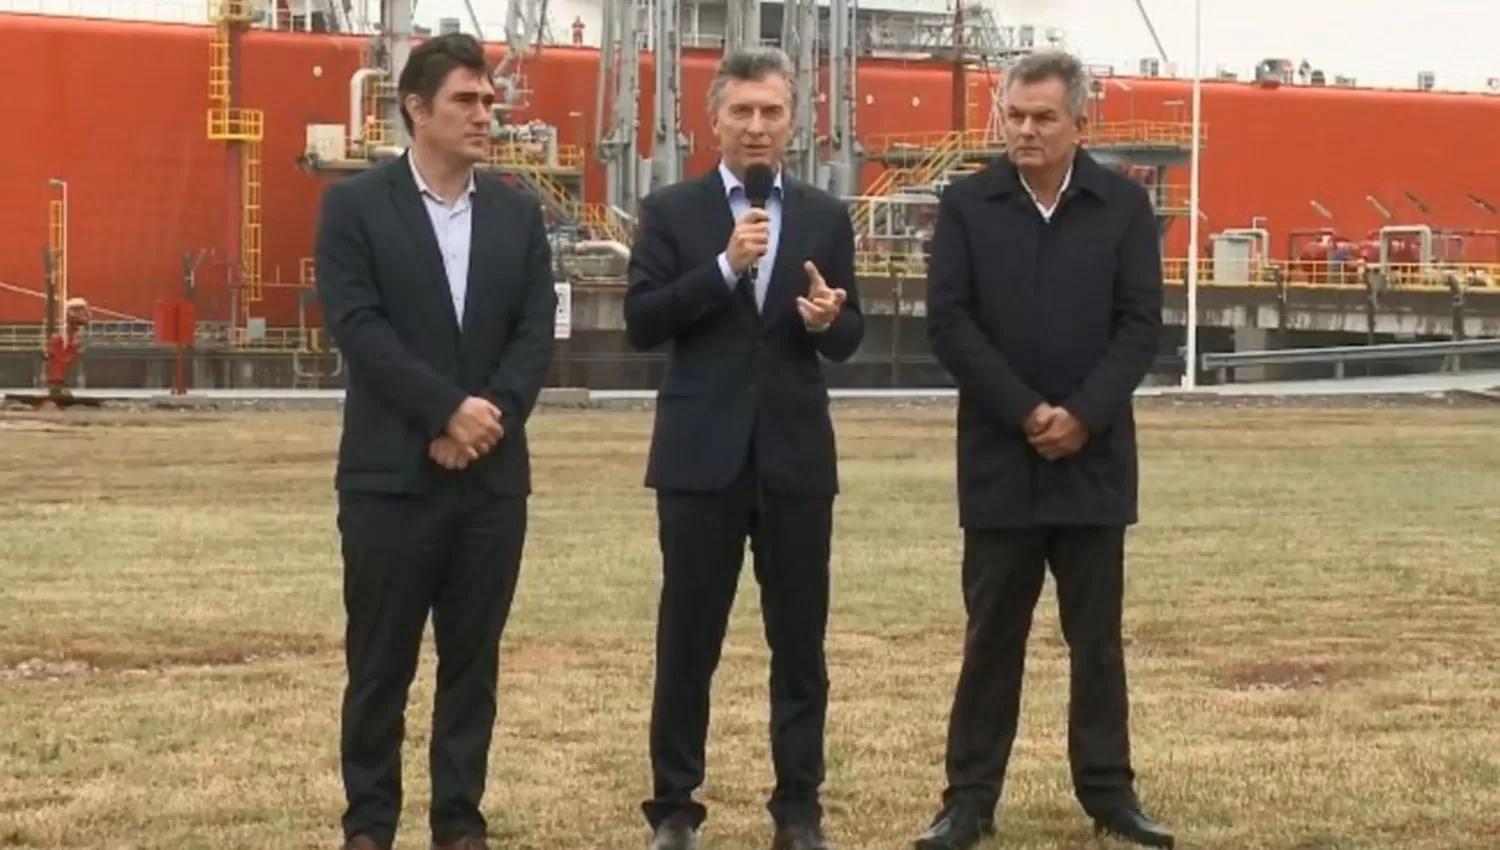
298,79
146,185
1272,152
142,180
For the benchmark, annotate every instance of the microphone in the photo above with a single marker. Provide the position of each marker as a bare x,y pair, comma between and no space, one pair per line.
759,180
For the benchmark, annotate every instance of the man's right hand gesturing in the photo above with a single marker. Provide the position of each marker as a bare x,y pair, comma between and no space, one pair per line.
750,241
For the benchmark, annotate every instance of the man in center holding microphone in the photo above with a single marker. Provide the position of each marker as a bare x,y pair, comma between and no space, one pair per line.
747,275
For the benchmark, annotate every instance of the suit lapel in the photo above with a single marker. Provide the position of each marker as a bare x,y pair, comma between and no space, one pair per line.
409,206
485,220
720,221
782,290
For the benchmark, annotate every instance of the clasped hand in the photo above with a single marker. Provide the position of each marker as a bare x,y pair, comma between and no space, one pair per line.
1054,432
472,432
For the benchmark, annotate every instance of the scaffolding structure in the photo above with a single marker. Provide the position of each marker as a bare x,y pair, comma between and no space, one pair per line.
528,153
824,40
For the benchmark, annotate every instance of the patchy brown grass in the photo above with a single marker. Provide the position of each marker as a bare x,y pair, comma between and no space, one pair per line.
1313,641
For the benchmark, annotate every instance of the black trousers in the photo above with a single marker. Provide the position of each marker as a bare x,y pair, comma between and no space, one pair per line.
702,539
1003,571
455,551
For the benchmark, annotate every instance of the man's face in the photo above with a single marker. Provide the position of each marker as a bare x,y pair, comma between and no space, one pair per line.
1040,129
753,122
457,121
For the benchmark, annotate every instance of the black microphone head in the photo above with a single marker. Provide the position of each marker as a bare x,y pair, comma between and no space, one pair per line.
759,178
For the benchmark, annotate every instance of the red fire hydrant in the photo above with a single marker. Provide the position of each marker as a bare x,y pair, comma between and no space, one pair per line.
63,348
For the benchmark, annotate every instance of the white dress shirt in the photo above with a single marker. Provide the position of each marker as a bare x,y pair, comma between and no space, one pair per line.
453,225
1045,210
739,204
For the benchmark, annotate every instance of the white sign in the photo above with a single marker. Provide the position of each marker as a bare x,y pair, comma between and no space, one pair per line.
562,322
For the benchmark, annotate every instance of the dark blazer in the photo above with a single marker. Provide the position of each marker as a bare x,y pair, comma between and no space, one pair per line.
732,373
1022,311
386,302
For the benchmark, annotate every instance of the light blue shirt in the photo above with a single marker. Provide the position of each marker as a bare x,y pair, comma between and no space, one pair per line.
453,226
738,206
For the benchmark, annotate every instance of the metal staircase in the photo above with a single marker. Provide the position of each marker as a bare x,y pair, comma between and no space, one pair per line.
557,200
942,159
604,224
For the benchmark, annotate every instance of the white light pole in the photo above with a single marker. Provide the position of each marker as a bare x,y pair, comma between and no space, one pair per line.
1190,373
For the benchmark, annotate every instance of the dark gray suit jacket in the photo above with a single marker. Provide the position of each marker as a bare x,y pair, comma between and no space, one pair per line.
386,301
733,375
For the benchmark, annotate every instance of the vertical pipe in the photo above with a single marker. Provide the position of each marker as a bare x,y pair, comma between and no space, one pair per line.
1190,373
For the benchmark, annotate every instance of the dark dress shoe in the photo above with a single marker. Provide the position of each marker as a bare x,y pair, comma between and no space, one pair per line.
956,828
675,833
468,842
362,842
799,836
1131,824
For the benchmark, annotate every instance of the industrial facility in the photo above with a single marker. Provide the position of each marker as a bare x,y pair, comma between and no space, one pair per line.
601,103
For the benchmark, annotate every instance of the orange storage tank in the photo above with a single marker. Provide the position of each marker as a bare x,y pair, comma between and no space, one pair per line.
146,187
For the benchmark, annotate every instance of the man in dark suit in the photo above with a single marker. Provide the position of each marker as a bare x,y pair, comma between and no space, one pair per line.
1045,306
436,282
743,446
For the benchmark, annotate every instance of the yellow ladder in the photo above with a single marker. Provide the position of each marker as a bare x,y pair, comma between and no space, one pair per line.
230,123
250,231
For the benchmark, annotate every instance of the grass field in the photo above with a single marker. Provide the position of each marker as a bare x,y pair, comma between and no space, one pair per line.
1312,623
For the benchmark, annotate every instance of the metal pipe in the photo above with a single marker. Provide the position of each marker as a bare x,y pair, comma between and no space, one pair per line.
357,102
619,249
1190,373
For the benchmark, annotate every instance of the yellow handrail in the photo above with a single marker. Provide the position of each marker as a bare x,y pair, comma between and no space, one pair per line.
1106,134
1259,274
601,219
553,192
943,154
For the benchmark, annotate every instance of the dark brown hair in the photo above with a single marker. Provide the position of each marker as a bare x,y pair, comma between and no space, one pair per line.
432,61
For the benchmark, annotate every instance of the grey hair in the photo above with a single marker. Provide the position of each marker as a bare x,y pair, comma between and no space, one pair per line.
1054,65
751,63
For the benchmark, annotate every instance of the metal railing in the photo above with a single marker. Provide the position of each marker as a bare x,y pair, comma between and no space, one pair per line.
604,223
1348,275
1355,276
1108,134
535,156
1125,134
873,264
1224,363
284,339
1174,199
918,143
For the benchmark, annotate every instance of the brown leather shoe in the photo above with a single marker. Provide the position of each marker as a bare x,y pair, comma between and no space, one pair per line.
468,842
362,842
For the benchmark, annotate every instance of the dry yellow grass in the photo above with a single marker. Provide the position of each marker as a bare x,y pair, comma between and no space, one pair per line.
1314,643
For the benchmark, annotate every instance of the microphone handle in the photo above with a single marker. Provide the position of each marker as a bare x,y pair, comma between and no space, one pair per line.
754,270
